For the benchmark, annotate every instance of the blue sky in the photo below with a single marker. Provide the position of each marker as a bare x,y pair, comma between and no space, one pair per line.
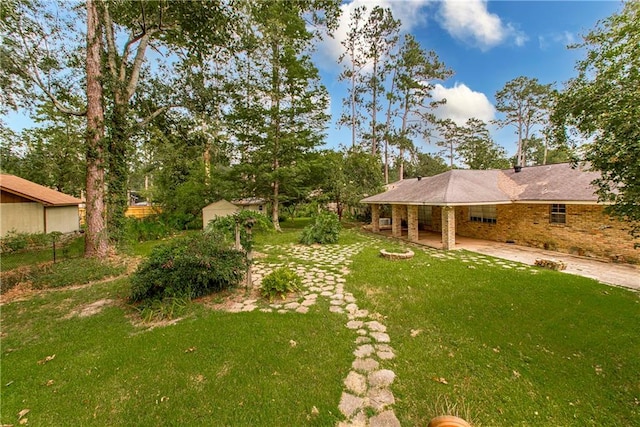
485,43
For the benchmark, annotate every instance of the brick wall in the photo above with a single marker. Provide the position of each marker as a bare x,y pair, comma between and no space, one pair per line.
587,231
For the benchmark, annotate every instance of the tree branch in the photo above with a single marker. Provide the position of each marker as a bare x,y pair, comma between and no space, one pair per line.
32,73
111,44
137,65
144,122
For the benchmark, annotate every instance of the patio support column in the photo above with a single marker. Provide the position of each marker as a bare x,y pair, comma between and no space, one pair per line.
412,222
396,220
375,218
448,228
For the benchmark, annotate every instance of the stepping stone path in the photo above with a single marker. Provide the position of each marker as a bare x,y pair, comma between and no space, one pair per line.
367,399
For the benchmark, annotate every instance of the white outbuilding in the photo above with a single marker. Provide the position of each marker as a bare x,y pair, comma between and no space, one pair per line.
27,207
223,208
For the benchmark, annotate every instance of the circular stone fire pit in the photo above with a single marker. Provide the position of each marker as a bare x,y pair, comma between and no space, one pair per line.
407,254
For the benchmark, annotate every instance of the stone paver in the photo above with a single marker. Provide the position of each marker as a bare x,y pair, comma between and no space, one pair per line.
367,398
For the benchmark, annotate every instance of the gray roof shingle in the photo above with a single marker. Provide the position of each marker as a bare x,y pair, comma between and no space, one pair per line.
549,183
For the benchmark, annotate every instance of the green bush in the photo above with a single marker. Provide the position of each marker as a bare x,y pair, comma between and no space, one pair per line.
325,228
280,282
188,267
168,308
145,229
14,241
227,226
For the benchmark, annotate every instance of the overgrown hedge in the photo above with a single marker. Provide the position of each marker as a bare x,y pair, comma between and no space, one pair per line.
188,267
325,228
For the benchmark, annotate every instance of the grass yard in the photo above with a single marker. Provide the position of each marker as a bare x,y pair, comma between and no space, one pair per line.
211,368
501,344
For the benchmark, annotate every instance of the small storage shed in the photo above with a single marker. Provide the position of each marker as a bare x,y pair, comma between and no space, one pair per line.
225,208
27,207
217,209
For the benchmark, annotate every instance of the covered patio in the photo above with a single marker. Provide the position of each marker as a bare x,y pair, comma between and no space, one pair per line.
433,239
422,206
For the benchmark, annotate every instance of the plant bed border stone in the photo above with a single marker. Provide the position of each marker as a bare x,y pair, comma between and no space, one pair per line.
396,255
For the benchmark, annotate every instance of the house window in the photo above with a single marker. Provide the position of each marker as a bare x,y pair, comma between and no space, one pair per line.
424,215
483,213
558,214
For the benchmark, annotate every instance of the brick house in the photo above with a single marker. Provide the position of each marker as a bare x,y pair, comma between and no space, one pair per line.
551,206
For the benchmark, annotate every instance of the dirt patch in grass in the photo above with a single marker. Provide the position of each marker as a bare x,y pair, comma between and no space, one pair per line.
91,309
146,326
20,292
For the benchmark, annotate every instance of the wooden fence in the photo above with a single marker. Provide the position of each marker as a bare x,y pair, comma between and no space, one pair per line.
132,211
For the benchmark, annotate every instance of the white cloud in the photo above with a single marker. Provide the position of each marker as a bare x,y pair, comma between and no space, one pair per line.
463,104
410,12
564,38
470,21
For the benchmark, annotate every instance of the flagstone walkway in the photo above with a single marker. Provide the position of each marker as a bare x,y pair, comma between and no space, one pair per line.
367,399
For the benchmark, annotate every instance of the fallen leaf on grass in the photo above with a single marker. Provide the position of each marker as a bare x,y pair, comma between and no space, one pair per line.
292,343
415,332
46,359
516,374
24,421
440,380
50,382
190,350
23,413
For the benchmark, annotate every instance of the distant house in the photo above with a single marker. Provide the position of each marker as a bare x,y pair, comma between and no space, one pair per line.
27,207
223,208
552,206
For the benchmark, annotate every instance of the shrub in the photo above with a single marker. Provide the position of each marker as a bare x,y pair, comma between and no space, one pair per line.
188,267
14,241
168,308
325,228
227,226
145,229
280,282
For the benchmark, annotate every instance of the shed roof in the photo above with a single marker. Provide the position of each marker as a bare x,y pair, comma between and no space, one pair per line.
249,201
36,192
220,204
549,183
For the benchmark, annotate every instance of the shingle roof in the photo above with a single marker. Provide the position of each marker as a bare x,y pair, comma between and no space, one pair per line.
549,183
36,192
559,182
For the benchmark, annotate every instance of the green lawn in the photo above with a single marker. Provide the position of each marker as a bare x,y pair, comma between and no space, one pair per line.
504,346
498,345
211,368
